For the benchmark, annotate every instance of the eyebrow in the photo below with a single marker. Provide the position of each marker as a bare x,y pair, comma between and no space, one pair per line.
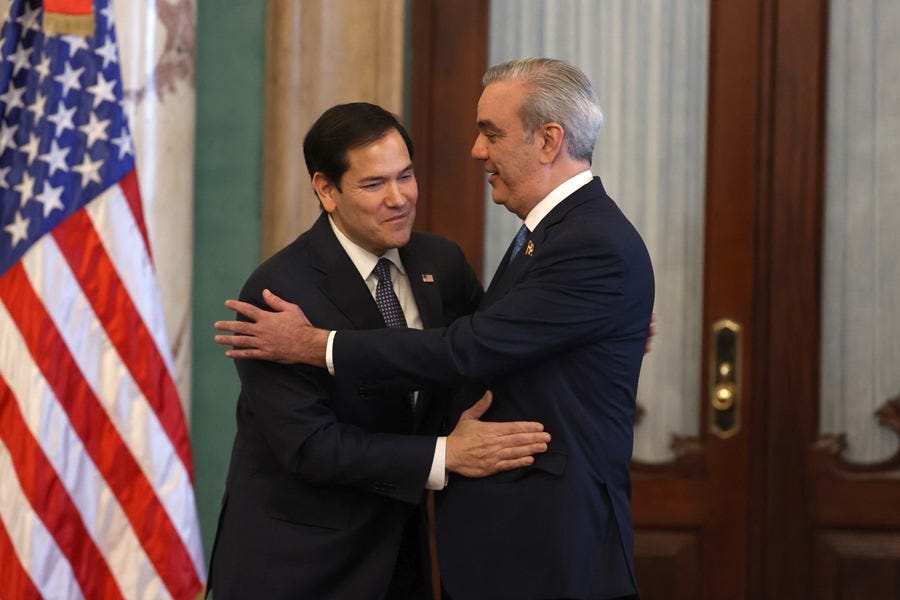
486,124
376,178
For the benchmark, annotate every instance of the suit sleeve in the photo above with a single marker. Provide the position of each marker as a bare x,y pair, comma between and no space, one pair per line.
578,289
289,403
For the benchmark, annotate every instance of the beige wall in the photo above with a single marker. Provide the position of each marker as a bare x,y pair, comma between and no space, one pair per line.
320,53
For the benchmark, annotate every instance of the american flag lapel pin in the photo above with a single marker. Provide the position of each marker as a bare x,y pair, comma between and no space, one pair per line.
529,249
427,278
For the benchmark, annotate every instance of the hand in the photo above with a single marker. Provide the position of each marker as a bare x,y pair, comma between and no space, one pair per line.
650,333
480,448
283,335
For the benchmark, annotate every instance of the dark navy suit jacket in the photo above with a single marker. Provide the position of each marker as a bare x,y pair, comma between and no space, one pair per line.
324,478
559,338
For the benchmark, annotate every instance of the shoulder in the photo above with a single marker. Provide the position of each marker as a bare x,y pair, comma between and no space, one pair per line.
423,241
593,229
283,270
438,250
455,279
594,220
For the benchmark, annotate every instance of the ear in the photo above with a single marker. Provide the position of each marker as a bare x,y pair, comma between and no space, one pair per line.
326,191
552,136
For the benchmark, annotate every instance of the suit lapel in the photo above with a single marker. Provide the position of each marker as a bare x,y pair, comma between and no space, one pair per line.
509,274
428,300
341,282
425,289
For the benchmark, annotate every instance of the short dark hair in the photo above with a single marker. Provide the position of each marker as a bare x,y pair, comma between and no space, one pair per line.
342,128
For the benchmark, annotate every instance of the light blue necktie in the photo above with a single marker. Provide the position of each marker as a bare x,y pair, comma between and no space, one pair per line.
518,242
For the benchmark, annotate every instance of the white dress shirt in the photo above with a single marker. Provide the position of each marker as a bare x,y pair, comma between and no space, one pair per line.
365,262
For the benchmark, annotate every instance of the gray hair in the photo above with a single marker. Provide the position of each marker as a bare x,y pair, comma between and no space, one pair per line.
557,92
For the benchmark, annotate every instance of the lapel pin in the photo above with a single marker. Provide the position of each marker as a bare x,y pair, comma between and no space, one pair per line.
427,278
529,249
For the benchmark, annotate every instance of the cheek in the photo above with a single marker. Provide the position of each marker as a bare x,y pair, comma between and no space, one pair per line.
511,173
410,191
361,222
367,213
521,169
507,166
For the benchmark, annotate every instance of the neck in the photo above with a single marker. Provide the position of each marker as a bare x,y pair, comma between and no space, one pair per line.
562,171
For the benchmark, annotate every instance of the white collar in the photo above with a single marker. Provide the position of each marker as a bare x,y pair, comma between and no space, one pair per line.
560,193
362,259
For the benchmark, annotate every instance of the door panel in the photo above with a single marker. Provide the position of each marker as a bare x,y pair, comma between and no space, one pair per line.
673,559
851,565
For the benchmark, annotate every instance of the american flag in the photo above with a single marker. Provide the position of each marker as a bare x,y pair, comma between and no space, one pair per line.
96,496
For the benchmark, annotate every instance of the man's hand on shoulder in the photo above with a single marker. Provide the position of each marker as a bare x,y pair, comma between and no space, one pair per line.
480,448
282,335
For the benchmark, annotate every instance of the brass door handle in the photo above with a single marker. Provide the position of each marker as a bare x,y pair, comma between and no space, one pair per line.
725,380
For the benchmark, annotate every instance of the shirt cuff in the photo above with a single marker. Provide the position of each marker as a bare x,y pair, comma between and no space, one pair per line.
329,356
437,479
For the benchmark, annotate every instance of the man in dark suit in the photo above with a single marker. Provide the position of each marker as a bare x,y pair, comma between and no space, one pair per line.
324,490
559,337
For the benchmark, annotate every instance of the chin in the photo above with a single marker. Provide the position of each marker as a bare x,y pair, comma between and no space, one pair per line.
399,240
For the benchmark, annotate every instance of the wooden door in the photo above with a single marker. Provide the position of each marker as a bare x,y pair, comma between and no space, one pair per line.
693,516
759,505
827,528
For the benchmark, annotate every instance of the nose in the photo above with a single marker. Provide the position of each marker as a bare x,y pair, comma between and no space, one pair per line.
395,196
479,148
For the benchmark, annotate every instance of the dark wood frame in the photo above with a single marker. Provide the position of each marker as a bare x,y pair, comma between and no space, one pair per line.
450,54
793,235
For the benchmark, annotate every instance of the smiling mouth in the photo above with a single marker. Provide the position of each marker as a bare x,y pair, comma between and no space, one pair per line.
398,218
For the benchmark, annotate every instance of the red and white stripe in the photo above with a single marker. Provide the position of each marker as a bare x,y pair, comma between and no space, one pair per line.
96,498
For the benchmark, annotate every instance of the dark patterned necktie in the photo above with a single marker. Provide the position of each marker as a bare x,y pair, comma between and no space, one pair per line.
385,297
518,242
388,304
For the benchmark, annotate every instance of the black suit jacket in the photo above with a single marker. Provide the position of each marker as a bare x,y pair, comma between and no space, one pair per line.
323,475
559,338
